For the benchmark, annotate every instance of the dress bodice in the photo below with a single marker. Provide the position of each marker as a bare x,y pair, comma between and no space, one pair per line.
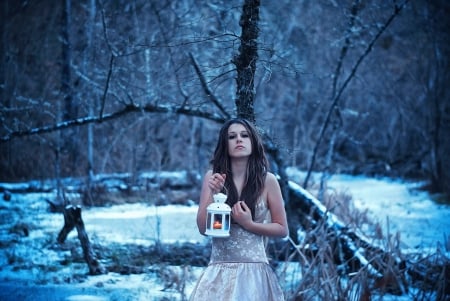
242,245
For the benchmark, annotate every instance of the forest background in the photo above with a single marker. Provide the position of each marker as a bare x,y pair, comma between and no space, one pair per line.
94,87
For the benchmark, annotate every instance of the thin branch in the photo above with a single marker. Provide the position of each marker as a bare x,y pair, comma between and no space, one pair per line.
346,46
205,87
128,109
108,80
171,55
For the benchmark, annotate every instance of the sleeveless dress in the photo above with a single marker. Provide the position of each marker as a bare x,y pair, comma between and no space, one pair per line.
238,269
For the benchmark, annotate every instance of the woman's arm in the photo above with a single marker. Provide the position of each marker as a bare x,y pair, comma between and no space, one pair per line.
278,227
212,183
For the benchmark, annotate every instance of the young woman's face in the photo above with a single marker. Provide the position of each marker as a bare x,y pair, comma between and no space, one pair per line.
239,143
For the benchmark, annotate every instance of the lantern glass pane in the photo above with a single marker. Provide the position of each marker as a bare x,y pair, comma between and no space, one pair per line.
208,221
226,226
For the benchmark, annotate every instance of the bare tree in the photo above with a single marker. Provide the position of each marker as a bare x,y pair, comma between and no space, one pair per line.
337,92
153,55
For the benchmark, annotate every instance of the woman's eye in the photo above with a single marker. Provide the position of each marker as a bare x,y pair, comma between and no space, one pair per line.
231,137
245,135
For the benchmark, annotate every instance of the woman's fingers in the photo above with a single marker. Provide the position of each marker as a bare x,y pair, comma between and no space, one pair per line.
216,182
240,208
241,213
244,206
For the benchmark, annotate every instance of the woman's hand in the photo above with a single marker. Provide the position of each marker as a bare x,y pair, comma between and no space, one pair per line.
216,182
242,214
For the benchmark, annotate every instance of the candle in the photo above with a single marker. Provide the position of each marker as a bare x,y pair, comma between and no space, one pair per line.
217,225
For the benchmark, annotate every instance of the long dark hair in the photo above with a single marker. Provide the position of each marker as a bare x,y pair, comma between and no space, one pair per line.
257,166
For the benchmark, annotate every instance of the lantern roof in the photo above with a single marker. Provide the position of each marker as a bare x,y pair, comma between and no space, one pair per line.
218,207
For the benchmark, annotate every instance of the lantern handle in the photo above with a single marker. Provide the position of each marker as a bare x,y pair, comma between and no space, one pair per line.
225,189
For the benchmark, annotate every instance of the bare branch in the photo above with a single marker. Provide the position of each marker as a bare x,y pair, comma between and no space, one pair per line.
128,109
208,92
108,79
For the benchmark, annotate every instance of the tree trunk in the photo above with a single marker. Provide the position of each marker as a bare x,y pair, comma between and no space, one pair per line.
246,60
69,108
91,106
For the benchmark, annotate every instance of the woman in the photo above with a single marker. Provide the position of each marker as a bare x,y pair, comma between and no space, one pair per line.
238,268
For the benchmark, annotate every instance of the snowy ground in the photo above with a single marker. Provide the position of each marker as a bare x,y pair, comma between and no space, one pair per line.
422,223
129,223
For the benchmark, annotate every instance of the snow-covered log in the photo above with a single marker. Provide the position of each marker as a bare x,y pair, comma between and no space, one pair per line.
351,248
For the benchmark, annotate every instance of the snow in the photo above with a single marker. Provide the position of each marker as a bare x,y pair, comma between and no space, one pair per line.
396,204
138,223
421,222
399,206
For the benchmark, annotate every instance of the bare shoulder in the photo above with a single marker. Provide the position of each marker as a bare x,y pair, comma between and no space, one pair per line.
272,192
271,179
271,186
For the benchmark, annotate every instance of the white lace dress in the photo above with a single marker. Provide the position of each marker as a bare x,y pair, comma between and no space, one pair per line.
238,269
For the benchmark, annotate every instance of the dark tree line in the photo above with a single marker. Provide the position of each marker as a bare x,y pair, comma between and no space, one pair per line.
78,80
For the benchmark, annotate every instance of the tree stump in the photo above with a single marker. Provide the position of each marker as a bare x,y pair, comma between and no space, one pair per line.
73,219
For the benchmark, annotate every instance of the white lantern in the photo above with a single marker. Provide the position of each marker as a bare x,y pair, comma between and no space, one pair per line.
218,217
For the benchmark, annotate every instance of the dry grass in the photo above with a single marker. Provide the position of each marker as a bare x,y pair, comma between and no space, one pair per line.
315,271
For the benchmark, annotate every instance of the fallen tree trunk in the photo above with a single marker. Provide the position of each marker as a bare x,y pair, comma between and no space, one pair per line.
73,219
351,249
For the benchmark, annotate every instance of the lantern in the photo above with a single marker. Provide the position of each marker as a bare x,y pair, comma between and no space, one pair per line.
218,217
